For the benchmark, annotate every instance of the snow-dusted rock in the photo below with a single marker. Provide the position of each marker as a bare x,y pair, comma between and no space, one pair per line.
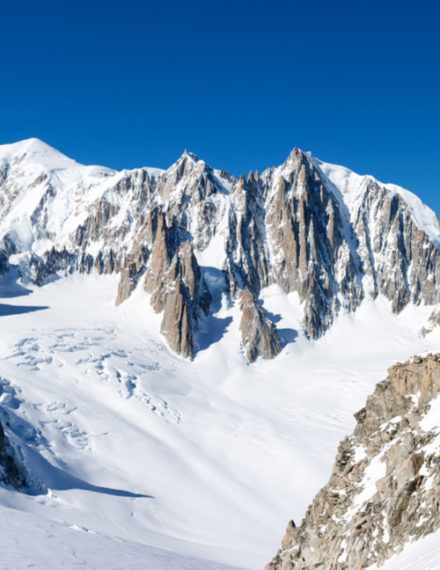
320,230
432,323
384,489
312,249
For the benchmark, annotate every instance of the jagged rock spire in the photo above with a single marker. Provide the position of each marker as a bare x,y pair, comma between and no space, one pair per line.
292,226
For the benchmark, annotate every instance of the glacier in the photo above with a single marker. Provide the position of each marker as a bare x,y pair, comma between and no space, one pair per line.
134,447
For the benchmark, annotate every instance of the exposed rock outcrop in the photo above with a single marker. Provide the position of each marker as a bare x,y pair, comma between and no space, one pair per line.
384,489
331,236
175,283
11,473
182,300
312,250
247,255
259,335
398,258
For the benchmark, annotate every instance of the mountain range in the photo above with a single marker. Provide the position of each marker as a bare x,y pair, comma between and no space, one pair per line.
196,348
192,233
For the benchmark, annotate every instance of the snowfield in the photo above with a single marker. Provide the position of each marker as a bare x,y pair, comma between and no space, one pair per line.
137,457
34,542
150,459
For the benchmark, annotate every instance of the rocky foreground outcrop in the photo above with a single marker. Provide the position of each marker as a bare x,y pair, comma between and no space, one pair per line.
384,490
332,237
11,473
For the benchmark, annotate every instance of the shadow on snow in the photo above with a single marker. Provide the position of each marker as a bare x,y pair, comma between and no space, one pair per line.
10,289
42,473
9,286
212,329
287,336
57,479
8,310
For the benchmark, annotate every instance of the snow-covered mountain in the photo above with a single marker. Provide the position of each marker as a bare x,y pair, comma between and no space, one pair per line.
318,276
192,234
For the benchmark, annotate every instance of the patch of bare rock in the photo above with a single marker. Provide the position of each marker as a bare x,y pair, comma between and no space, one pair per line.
384,490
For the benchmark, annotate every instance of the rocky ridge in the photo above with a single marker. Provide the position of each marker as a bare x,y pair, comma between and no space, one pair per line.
330,236
384,488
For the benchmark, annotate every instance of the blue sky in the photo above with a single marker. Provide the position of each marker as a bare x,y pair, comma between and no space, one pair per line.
132,83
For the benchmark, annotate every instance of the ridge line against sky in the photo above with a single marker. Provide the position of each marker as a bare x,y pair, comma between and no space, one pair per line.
27,147
129,84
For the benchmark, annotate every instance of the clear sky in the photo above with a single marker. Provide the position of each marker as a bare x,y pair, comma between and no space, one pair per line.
128,83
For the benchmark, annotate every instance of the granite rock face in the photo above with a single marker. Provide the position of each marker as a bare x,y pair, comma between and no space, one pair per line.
332,237
312,249
259,335
384,489
183,298
397,255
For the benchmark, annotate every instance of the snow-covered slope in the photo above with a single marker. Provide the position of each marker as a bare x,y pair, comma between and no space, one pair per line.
30,541
206,457
353,188
421,555
35,175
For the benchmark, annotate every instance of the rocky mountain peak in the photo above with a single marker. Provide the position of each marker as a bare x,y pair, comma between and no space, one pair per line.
315,229
295,155
190,155
186,162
